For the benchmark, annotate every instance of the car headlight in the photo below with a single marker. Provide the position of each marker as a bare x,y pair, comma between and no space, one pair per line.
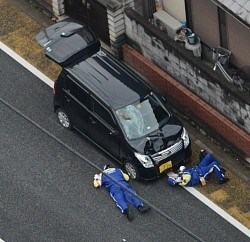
185,138
145,160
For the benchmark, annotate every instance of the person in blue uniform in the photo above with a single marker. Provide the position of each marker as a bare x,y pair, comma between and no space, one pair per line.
118,193
200,174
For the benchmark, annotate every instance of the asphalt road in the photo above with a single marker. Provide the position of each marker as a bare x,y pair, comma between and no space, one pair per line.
46,174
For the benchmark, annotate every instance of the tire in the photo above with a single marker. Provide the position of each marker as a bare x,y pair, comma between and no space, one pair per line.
63,118
132,171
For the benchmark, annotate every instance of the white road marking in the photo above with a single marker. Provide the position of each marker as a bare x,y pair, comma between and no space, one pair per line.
191,190
218,210
26,64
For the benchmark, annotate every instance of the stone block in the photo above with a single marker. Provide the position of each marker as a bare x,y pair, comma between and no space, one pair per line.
115,13
115,18
114,24
117,28
58,9
57,2
114,36
114,5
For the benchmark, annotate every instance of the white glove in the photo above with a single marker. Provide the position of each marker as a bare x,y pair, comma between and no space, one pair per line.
178,179
96,177
182,168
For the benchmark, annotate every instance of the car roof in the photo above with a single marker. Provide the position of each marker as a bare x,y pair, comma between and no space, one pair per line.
110,80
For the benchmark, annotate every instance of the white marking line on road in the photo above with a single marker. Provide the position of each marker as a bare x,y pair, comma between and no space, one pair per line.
26,64
191,190
218,210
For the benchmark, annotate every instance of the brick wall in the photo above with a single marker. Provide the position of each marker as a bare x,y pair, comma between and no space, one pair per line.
176,91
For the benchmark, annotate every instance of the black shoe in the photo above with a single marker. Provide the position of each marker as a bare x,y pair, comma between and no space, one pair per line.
223,181
202,154
143,209
223,170
129,214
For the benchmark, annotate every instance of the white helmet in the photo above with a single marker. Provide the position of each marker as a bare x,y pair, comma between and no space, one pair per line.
182,168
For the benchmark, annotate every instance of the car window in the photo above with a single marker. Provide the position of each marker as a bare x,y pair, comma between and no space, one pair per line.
103,113
143,117
76,91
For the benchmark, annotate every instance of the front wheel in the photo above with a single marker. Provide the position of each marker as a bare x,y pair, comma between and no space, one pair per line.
63,118
132,171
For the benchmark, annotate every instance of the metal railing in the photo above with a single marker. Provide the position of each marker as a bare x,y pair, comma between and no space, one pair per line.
221,57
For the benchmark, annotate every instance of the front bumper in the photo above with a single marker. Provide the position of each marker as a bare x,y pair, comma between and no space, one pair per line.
180,158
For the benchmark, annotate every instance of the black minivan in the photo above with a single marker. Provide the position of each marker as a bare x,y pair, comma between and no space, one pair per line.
111,105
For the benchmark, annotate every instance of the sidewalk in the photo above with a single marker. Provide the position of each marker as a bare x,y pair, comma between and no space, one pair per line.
20,21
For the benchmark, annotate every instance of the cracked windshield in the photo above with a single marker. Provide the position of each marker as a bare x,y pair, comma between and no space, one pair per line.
142,117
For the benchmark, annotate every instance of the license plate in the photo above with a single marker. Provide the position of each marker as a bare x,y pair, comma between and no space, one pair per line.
165,166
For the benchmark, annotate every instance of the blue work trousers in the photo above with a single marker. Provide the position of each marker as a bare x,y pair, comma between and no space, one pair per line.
121,196
207,163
